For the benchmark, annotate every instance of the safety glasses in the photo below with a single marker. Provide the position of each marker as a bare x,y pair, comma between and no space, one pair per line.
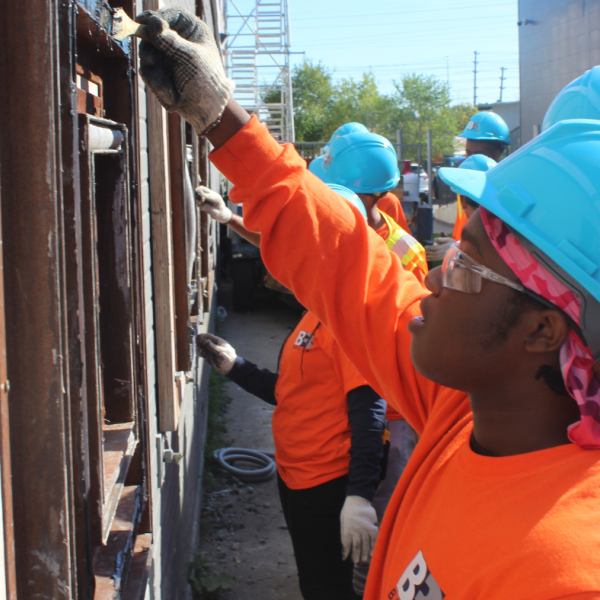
460,272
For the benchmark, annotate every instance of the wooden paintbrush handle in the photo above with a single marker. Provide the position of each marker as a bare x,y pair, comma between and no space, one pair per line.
123,27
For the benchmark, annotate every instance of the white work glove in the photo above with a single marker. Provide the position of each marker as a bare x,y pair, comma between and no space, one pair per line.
441,245
212,203
359,529
219,354
182,65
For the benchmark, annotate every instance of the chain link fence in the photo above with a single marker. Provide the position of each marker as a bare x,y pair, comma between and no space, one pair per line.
309,150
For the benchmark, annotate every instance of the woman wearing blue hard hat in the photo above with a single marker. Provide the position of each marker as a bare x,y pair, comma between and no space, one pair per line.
486,133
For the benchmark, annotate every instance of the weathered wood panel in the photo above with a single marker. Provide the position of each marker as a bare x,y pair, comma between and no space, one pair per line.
177,165
162,257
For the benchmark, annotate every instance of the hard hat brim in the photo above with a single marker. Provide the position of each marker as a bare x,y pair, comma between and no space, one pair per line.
476,185
472,135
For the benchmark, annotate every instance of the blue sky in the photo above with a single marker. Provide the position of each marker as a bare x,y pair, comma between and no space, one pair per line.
392,37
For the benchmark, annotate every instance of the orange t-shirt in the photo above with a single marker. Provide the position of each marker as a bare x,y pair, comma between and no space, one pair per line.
461,221
459,525
310,422
391,205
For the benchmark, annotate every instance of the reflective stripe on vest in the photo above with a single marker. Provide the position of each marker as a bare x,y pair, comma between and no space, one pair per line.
404,245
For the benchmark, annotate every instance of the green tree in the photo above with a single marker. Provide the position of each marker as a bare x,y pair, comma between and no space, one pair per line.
313,93
419,103
424,103
361,101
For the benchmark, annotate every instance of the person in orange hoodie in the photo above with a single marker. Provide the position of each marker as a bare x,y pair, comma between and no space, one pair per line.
500,498
328,430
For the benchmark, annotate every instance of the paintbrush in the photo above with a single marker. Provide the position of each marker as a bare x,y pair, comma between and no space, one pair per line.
123,26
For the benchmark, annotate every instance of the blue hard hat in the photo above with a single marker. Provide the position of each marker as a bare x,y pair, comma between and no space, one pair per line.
365,163
487,127
527,191
317,167
578,100
347,128
350,196
476,162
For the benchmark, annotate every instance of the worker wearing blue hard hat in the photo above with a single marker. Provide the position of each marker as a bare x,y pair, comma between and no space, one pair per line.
367,163
374,170
580,99
486,133
500,498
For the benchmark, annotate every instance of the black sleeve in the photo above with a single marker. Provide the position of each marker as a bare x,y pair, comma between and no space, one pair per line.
260,382
366,414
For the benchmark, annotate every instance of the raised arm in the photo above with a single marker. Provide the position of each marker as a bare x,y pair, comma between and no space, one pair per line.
315,244
312,241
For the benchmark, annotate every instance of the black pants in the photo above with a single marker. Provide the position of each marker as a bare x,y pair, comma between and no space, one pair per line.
313,520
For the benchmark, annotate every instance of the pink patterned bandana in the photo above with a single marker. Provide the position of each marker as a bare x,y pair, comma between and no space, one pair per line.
576,361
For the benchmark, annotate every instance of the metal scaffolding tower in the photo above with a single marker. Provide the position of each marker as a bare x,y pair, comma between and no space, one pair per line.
257,49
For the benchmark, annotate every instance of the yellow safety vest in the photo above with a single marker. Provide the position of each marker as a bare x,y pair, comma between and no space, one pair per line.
411,253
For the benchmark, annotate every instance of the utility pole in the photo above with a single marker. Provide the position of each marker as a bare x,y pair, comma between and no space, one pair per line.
502,78
475,80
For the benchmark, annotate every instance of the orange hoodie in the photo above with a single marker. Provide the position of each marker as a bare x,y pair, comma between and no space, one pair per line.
459,525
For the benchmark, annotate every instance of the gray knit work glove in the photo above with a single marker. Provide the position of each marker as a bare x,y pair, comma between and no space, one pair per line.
441,245
181,64
218,353
212,203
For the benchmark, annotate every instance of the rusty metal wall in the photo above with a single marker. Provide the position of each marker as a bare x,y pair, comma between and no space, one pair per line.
30,164
558,41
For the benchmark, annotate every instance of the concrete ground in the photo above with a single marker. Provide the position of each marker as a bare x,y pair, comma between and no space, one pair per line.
245,530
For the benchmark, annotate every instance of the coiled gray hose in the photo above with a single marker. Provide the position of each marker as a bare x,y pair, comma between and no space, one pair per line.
227,457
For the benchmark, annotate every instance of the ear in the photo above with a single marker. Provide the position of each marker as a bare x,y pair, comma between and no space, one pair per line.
548,331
